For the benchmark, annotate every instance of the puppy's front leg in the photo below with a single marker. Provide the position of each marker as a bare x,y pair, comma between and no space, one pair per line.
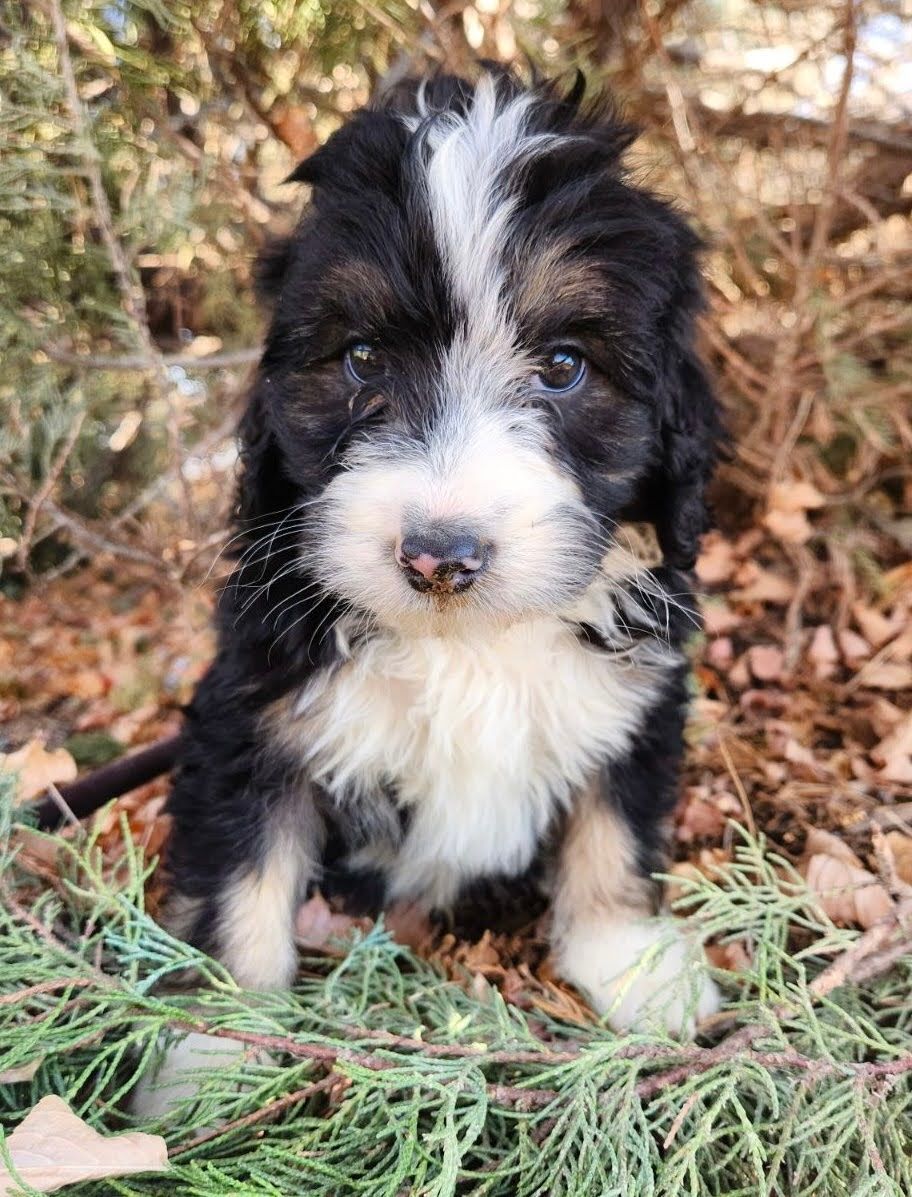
241,908
245,843
636,968
246,838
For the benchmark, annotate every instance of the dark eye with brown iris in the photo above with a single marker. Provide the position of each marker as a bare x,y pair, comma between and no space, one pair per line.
563,369
362,360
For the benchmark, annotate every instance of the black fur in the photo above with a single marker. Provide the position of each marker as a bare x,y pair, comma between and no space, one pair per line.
641,438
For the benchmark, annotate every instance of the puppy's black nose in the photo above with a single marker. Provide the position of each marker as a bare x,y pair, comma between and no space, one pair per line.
441,559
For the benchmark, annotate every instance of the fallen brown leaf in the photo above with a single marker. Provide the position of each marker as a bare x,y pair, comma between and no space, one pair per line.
408,923
900,848
876,628
25,1072
793,527
883,715
699,817
720,653
886,675
795,495
719,618
36,768
854,648
681,872
758,585
823,653
52,1147
899,578
740,675
894,753
847,891
716,562
317,923
735,956
766,662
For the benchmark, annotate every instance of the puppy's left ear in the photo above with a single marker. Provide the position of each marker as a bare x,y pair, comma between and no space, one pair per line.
691,429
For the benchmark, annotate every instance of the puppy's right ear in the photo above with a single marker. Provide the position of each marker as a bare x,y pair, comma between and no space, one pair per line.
271,269
263,485
310,170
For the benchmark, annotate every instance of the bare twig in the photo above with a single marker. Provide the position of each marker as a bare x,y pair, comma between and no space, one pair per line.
782,374
229,360
62,806
272,1110
54,986
676,1062
224,430
846,968
688,1059
739,786
44,491
134,300
93,539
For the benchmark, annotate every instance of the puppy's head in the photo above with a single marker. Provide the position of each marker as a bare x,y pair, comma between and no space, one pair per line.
480,358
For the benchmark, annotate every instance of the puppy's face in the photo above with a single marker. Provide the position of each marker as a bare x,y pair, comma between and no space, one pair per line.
477,350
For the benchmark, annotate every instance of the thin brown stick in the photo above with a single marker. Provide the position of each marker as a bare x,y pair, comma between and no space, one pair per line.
689,1059
99,543
58,983
228,360
225,429
44,491
739,786
271,1110
782,374
134,300
682,1061
131,292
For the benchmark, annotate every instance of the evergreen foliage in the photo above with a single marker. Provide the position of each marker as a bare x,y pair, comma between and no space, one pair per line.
180,110
144,145
378,1076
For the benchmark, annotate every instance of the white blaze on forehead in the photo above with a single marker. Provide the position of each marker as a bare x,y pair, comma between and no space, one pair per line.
470,156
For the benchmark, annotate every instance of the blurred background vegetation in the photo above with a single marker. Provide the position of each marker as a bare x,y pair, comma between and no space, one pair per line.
144,146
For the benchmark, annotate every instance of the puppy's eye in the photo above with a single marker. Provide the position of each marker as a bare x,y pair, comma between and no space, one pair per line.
563,370
363,361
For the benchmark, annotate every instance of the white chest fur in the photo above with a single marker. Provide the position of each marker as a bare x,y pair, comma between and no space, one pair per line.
482,740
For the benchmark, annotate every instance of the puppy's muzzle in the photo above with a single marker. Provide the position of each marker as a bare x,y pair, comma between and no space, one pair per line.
443,560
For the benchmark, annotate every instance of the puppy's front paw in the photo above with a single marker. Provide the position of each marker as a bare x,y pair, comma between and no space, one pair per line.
177,1076
642,975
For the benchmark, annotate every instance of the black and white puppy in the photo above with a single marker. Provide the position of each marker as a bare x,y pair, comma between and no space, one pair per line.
439,659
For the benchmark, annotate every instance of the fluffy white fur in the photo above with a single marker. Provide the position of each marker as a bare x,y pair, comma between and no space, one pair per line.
467,161
256,927
177,1077
483,739
641,973
486,469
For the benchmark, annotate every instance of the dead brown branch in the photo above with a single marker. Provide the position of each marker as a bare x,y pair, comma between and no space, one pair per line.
773,421
133,297
231,359
44,491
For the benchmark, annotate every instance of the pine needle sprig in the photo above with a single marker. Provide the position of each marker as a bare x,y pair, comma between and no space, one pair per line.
375,1075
